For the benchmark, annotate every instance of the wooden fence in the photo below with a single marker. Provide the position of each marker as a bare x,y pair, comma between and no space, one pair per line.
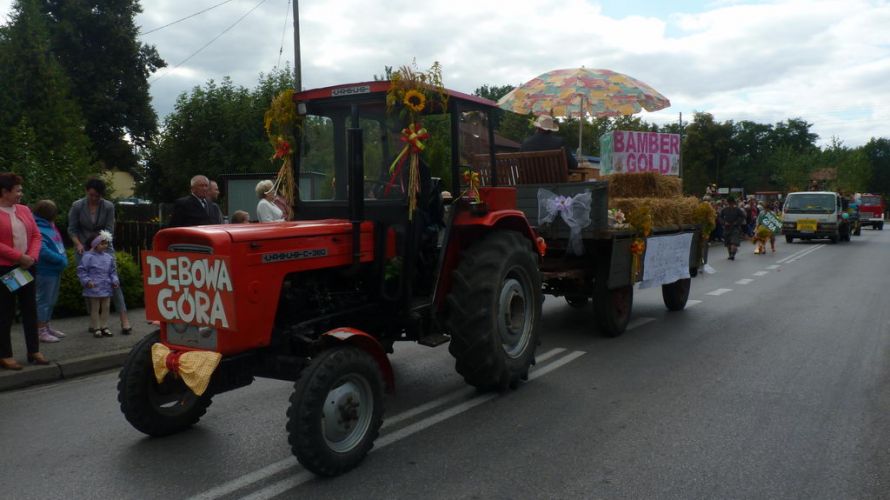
134,236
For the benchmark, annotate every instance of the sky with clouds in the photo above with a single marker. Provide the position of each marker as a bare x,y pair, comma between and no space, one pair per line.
827,62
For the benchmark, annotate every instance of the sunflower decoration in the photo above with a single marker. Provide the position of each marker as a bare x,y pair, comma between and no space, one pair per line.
414,100
411,93
281,122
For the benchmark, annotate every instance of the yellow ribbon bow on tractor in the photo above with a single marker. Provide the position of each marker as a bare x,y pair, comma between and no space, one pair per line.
194,367
413,136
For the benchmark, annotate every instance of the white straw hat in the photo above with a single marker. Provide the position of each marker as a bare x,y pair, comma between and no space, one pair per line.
546,122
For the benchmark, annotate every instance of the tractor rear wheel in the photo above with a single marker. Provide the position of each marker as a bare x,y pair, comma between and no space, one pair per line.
676,294
336,410
152,408
493,311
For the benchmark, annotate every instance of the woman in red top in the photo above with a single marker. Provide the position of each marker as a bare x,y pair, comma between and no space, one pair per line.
19,247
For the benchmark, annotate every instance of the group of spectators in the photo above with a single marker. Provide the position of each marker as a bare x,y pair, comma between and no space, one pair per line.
737,221
33,255
31,248
199,207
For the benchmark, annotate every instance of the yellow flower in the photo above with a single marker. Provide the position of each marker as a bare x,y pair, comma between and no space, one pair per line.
415,100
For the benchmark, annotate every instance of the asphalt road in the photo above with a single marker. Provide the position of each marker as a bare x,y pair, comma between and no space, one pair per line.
773,383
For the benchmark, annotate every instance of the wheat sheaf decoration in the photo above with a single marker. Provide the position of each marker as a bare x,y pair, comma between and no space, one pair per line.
411,94
282,123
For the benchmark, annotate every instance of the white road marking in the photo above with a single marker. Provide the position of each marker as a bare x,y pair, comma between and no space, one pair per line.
464,393
303,476
761,273
638,322
719,291
774,266
690,303
801,253
744,281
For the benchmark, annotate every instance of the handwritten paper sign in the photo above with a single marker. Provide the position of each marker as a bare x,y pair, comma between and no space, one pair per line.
634,152
188,288
667,259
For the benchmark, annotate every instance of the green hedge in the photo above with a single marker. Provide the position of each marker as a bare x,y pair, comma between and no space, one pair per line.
71,301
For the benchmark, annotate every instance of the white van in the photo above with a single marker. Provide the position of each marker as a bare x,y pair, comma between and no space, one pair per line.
814,214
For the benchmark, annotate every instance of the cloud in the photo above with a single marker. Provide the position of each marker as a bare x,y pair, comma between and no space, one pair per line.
766,61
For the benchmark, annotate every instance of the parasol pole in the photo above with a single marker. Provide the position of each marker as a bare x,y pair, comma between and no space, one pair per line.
580,126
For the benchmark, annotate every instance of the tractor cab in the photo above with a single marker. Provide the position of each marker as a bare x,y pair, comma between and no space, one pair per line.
353,165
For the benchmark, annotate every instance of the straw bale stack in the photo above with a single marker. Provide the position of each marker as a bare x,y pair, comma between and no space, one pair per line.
665,211
644,185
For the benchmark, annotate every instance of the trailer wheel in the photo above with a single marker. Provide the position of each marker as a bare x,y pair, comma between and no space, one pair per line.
336,410
789,238
577,301
612,309
880,226
493,311
676,294
152,408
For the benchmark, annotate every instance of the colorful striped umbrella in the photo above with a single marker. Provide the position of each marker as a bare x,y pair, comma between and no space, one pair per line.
580,92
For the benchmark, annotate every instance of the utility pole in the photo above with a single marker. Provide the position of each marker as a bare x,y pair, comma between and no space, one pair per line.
298,81
680,172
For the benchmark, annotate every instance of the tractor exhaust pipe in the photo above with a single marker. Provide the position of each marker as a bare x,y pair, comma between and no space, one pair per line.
356,189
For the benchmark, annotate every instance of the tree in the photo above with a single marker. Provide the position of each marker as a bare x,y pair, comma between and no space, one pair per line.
41,129
706,153
878,153
97,44
852,166
215,129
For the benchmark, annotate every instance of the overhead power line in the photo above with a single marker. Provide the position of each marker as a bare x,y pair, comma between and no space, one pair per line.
283,32
223,32
185,18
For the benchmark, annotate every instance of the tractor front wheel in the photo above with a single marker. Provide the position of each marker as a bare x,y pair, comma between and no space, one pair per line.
493,311
336,410
152,408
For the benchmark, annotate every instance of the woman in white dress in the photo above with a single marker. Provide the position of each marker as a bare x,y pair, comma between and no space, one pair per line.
266,210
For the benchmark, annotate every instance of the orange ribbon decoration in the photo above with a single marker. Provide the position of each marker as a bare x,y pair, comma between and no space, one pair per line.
194,367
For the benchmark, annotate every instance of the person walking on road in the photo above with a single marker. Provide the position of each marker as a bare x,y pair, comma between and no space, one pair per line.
19,249
98,275
734,222
53,260
88,216
194,209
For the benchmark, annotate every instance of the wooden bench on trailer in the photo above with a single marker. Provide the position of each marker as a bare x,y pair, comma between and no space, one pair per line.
531,167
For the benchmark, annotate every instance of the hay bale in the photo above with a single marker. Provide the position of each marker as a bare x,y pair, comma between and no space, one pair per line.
664,211
644,185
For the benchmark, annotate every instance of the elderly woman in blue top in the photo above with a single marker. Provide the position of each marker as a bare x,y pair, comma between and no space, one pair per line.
87,217
49,268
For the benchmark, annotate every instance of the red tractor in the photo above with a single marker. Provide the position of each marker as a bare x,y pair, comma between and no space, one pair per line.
320,300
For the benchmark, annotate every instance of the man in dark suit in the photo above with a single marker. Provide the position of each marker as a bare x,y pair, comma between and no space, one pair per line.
194,209
216,214
544,140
